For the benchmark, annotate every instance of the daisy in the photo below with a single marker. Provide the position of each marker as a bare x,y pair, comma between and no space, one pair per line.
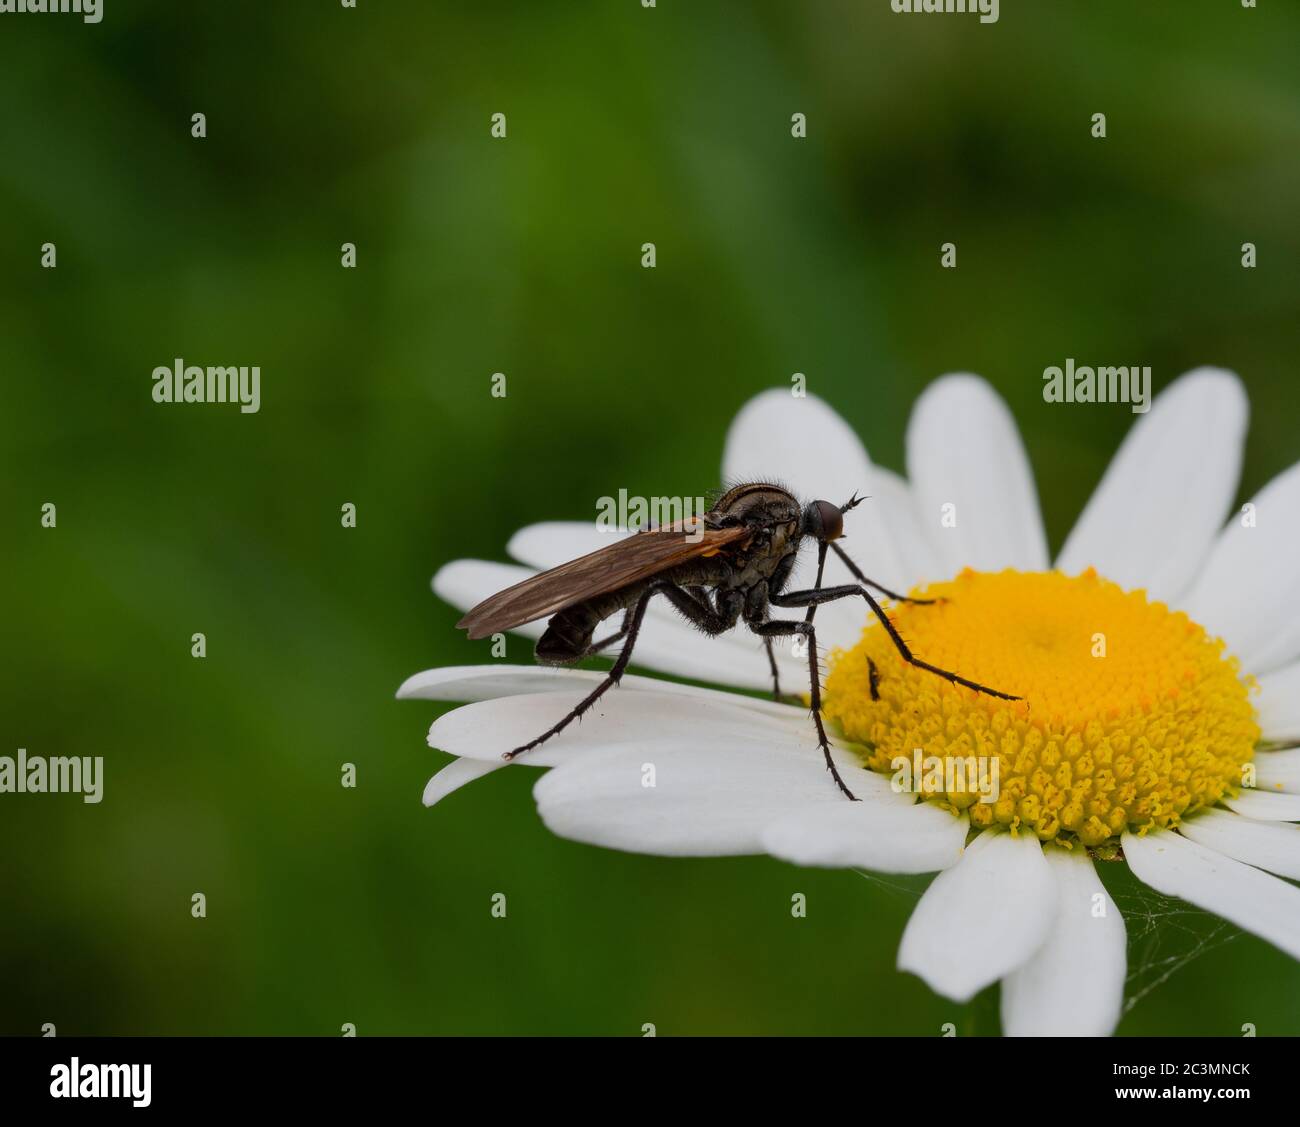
1156,656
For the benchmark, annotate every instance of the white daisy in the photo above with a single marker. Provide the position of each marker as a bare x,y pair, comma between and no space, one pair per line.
1137,731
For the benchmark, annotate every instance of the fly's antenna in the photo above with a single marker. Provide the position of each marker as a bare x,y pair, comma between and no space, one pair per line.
852,503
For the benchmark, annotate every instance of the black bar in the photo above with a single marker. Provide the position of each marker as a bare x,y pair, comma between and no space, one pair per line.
336,1075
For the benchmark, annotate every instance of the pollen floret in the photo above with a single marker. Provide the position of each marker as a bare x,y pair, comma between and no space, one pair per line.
1132,718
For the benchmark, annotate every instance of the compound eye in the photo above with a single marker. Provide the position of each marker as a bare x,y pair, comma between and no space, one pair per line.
825,521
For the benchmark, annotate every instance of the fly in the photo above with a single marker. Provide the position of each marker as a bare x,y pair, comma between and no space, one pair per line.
730,564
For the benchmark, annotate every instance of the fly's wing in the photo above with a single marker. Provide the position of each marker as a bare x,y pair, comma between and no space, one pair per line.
607,569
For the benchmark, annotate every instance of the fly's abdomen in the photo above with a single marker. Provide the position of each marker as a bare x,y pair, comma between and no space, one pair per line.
568,634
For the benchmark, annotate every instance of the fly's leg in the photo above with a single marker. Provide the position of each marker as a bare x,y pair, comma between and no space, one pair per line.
857,574
767,642
815,597
704,616
776,675
605,643
782,628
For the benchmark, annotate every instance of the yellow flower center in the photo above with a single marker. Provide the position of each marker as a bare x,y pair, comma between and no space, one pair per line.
1132,716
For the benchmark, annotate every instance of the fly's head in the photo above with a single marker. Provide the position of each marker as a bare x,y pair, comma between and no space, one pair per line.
823,521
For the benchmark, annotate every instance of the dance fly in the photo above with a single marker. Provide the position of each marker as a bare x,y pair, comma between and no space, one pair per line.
729,565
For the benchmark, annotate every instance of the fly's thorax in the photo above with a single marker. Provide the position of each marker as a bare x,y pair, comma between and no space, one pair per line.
755,503
785,540
773,515
757,561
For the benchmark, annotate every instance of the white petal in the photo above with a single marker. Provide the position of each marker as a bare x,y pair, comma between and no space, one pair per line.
804,445
708,799
466,583
641,719
1246,896
666,643
1164,497
1279,703
888,836
488,682
1266,806
982,918
1278,771
455,775
897,505
1074,984
554,542
1274,846
800,443
963,450
1248,593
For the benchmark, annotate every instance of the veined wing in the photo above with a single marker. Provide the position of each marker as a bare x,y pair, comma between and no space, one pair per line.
607,569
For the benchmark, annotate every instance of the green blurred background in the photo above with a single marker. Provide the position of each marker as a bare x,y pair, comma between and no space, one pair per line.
626,125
